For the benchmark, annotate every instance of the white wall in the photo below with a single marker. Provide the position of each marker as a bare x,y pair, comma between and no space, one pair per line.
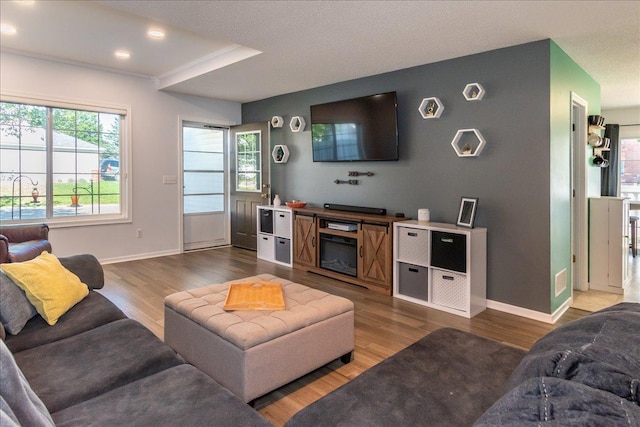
625,116
155,133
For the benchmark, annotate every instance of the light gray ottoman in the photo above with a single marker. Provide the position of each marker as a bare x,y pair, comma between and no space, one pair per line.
254,352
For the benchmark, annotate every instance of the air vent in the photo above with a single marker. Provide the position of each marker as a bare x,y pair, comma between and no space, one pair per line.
561,282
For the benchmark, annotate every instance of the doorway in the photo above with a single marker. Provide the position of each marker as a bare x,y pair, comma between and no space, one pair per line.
204,194
249,176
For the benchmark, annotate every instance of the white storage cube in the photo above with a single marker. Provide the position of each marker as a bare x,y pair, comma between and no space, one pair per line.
282,224
413,245
450,290
266,246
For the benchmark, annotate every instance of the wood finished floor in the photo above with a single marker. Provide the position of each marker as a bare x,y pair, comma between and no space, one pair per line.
593,300
383,325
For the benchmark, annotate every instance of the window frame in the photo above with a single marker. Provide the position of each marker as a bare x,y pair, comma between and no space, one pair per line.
257,172
124,111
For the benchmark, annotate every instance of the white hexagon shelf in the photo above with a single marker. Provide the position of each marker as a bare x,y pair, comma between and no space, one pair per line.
431,108
297,124
277,121
280,154
468,143
473,92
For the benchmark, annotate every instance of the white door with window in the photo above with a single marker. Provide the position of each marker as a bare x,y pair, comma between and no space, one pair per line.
205,220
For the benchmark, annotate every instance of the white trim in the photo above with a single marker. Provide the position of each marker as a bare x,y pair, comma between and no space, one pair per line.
206,64
579,205
562,309
126,125
139,256
75,63
531,314
57,102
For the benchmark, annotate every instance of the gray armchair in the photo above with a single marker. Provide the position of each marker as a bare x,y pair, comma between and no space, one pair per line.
24,242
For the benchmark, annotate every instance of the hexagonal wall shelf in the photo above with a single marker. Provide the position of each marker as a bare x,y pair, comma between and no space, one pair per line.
468,143
431,108
473,92
297,124
280,154
277,121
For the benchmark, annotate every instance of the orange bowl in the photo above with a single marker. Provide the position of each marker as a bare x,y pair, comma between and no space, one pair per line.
296,205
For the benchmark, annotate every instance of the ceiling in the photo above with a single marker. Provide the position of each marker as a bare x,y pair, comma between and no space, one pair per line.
250,50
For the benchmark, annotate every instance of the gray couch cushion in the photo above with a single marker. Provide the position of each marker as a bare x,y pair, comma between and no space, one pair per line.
15,308
66,372
87,268
179,396
93,311
601,350
558,402
19,402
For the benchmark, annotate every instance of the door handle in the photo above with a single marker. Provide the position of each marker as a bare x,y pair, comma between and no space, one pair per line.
264,196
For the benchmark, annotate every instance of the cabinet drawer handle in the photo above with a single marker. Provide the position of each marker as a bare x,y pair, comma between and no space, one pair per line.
361,251
313,242
265,238
448,277
443,240
412,234
281,215
282,242
413,270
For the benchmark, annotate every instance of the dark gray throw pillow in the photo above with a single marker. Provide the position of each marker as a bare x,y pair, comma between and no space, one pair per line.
15,308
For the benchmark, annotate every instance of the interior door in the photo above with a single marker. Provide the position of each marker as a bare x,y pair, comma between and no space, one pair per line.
249,184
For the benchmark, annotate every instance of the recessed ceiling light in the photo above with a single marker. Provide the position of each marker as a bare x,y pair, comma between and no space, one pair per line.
122,54
7,29
156,34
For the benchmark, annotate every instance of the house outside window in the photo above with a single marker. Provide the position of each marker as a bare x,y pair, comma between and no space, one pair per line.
61,164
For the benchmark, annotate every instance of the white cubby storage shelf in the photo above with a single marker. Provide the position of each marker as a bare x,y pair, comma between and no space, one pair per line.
441,266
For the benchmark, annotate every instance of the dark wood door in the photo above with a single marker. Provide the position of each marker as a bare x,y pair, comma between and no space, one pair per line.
249,180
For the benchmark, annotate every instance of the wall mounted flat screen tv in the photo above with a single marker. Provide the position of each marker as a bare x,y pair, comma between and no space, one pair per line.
359,129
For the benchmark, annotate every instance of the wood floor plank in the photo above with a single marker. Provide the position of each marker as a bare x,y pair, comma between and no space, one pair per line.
383,325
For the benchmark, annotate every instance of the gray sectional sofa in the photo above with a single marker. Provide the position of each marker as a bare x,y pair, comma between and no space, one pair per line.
584,373
98,367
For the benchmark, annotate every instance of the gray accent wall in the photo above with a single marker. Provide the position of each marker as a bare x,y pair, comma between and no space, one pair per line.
511,177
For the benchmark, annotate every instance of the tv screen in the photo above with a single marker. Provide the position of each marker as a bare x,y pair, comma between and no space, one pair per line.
359,129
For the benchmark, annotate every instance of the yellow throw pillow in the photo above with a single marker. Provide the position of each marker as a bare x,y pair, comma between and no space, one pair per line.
51,288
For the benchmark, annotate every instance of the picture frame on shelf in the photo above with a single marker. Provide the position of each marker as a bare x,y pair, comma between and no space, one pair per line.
467,212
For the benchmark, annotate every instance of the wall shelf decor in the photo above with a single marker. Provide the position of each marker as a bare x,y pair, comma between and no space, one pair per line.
468,143
473,92
280,154
431,108
277,122
600,144
297,124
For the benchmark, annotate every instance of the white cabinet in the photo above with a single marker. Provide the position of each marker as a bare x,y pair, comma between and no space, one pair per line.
441,266
274,234
609,244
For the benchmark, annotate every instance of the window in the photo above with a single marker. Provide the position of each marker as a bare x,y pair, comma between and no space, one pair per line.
60,163
248,161
630,168
203,165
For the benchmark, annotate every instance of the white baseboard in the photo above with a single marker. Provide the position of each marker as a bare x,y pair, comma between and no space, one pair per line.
138,257
530,314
